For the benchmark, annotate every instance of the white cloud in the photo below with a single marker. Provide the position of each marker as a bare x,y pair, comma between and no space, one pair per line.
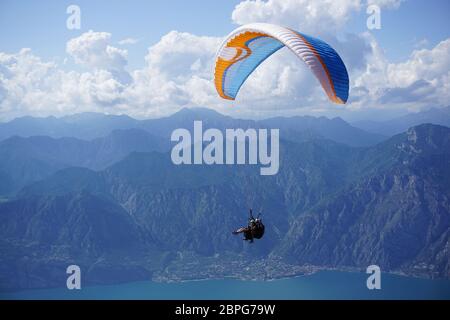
128,41
421,80
93,50
320,15
178,72
21,80
181,54
423,64
309,16
30,86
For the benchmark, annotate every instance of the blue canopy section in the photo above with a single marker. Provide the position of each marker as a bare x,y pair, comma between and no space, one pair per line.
261,48
334,65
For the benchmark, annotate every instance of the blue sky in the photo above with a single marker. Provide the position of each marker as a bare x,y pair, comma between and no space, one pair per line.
41,26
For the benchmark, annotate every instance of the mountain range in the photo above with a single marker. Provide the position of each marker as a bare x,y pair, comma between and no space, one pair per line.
440,116
33,148
119,208
88,126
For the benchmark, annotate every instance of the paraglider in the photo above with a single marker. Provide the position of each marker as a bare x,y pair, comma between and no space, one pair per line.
249,45
254,229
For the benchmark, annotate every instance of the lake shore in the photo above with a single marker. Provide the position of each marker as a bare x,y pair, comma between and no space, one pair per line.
319,285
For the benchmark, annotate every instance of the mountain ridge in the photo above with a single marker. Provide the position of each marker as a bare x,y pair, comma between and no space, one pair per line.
88,126
438,116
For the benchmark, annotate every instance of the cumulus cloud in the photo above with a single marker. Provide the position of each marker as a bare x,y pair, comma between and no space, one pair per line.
319,16
21,82
181,54
177,73
424,78
315,15
93,49
423,64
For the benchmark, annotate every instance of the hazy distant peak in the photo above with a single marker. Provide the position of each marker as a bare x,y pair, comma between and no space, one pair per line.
87,116
198,111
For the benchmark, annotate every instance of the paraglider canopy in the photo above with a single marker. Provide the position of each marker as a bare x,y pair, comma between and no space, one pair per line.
249,45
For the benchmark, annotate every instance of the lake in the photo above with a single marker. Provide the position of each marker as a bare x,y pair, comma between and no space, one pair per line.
321,285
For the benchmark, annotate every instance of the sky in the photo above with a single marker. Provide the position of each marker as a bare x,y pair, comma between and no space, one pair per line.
151,58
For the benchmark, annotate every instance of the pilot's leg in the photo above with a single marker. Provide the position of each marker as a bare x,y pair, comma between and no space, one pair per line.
240,230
